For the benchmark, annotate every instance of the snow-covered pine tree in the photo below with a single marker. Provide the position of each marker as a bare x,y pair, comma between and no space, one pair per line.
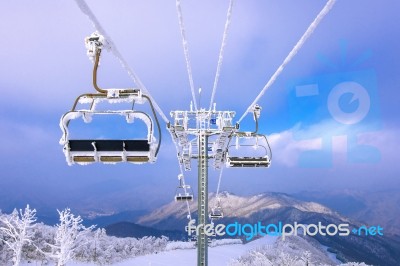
306,257
93,250
99,234
17,231
70,235
286,259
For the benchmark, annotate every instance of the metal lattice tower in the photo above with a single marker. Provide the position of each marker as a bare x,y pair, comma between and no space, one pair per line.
201,125
202,201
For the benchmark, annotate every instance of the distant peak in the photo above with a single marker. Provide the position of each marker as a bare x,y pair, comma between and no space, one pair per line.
226,194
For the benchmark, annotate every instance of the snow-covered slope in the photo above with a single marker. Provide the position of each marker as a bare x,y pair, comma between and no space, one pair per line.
219,255
271,247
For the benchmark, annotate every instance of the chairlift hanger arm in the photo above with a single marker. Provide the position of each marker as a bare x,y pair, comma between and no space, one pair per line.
157,122
95,67
256,115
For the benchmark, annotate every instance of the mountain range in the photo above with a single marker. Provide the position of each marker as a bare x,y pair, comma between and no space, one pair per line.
272,208
353,208
377,207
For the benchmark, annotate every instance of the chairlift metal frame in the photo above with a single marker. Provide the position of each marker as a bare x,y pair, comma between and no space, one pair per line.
249,161
86,151
216,213
183,192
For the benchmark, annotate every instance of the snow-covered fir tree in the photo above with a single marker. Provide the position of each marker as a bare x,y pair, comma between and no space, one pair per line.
17,231
70,235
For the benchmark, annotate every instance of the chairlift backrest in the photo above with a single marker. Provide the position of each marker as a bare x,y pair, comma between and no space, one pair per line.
132,150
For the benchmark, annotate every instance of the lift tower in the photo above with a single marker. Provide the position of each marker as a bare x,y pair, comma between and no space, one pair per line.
202,135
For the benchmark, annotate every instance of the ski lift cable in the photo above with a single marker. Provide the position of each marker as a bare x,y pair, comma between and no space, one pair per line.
88,12
184,188
219,183
186,51
221,51
325,10
181,172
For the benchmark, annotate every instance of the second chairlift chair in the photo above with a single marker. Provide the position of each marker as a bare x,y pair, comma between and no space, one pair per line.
254,140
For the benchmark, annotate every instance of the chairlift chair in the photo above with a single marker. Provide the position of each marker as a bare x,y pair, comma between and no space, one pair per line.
258,141
183,196
183,192
132,150
263,160
85,151
216,213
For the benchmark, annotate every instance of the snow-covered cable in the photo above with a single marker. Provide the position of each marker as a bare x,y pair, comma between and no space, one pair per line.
186,51
185,190
88,12
328,6
219,182
221,51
